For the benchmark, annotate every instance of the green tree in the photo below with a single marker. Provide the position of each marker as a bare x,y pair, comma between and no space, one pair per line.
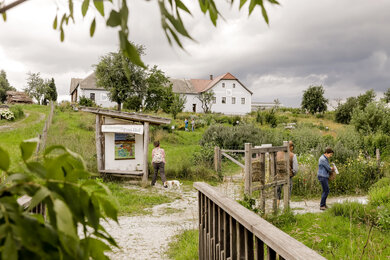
171,18
124,80
177,105
386,97
4,86
35,86
74,204
206,100
156,93
313,100
366,98
374,118
50,91
343,112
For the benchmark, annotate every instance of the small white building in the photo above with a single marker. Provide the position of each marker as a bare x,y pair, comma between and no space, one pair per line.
87,88
231,96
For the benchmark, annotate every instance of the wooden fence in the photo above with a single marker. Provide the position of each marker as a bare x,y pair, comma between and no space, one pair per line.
227,230
256,179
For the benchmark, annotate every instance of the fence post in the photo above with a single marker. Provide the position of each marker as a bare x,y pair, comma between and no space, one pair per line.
378,159
248,169
286,187
217,159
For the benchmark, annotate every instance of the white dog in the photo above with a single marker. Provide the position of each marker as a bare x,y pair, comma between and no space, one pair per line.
172,184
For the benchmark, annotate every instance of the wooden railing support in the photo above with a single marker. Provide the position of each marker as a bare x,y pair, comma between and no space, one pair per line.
217,159
248,169
286,187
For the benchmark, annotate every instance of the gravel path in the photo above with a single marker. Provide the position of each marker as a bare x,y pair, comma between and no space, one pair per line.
14,125
148,236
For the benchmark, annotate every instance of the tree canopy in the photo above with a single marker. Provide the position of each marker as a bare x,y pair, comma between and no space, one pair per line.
386,97
35,86
4,86
206,99
171,18
313,100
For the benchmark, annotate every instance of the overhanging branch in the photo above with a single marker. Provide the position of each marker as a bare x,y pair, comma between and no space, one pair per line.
7,7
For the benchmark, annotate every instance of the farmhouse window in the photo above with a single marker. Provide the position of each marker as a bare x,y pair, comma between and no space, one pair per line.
223,85
233,100
243,101
234,85
223,100
92,96
214,100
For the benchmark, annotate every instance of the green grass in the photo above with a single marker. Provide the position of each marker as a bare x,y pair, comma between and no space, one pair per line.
136,202
31,127
184,246
336,237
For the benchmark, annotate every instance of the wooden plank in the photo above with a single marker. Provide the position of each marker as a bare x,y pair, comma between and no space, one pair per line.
98,139
248,245
248,169
271,254
233,160
241,245
200,213
226,240
233,236
136,117
232,151
285,245
259,249
221,231
146,152
273,176
269,149
217,159
262,181
286,188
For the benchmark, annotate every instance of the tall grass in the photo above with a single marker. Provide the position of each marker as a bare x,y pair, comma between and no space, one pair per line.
184,246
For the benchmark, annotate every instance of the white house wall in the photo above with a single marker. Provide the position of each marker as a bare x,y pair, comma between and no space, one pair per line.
191,100
101,97
121,165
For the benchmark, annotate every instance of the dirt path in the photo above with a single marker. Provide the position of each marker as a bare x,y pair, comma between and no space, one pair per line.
14,125
148,236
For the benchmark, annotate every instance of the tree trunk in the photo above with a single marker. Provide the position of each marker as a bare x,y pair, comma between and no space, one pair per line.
119,106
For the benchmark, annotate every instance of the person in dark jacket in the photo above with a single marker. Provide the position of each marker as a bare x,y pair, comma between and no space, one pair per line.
324,170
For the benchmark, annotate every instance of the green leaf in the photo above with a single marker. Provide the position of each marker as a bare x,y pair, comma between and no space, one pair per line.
27,149
62,37
4,16
93,27
110,207
40,195
36,167
182,6
242,2
129,50
252,6
15,177
9,250
204,5
99,6
96,248
55,23
64,218
114,19
4,160
264,12
84,7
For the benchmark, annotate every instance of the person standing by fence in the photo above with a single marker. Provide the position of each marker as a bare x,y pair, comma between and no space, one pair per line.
158,160
324,171
293,170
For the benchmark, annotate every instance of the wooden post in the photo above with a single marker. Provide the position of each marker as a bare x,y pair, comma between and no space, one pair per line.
262,181
99,139
286,187
378,159
146,152
248,169
217,159
272,167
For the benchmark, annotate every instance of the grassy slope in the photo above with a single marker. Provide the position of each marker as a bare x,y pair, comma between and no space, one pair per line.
31,127
184,246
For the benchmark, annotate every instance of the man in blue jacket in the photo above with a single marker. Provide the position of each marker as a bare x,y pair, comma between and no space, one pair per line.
324,170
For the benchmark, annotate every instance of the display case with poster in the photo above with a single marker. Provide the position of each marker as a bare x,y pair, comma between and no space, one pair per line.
124,146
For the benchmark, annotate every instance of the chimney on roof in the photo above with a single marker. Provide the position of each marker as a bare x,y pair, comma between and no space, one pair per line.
211,77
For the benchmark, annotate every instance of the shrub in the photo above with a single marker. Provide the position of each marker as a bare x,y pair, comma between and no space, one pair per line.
17,111
65,106
7,114
205,156
87,102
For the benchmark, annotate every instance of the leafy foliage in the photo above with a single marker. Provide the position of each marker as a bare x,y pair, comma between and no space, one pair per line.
87,102
375,117
50,91
386,97
366,98
4,86
35,86
158,93
17,111
177,105
343,112
313,100
206,99
72,206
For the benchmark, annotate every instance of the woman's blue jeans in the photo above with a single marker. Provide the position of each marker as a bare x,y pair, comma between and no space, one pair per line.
325,190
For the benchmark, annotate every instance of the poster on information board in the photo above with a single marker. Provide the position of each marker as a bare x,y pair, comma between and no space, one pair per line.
124,146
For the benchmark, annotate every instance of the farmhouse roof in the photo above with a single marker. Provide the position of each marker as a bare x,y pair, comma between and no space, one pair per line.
18,97
135,117
196,86
87,83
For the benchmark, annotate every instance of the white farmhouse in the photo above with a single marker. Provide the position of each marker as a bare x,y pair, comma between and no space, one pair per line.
87,88
231,96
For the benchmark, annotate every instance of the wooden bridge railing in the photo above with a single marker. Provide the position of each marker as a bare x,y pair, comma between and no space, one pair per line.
227,230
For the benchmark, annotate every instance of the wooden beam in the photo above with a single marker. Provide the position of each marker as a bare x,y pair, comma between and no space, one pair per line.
98,139
269,149
248,169
233,160
286,187
117,172
146,152
232,151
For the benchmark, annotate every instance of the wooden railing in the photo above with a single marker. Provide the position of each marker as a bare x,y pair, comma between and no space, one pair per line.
227,230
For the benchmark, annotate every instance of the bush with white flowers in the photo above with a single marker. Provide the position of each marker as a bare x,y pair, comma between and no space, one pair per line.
7,114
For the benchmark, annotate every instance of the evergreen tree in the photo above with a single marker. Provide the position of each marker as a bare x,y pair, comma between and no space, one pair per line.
4,86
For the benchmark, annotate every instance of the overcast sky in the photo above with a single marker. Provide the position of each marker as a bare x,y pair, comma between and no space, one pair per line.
342,45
